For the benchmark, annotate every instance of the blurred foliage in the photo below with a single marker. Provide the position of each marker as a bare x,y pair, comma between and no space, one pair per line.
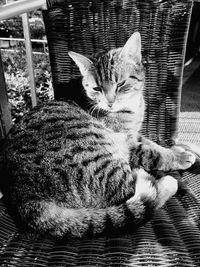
17,80
37,28
15,68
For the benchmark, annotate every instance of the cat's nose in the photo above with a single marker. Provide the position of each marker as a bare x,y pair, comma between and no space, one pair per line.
110,104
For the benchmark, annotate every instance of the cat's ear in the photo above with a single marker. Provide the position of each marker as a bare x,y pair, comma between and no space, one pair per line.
132,48
81,61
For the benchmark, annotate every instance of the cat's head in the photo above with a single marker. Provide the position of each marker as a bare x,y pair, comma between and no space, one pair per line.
114,80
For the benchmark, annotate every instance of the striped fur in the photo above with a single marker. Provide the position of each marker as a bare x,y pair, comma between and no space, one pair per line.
74,172
67,175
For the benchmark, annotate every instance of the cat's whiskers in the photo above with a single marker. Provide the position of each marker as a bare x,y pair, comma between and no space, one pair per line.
90,110
96,111
93,109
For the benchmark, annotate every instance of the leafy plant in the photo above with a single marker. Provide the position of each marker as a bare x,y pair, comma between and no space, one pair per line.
17,80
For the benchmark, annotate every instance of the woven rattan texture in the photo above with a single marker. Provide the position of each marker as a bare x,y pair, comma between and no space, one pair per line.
89,26
189,127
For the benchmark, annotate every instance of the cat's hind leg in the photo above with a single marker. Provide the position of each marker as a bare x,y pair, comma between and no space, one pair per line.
154,192
167,187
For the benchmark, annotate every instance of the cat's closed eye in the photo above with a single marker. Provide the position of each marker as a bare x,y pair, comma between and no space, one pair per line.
97,89
124,89
136,78
121,84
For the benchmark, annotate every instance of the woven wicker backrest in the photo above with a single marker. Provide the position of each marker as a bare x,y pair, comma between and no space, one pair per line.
87,26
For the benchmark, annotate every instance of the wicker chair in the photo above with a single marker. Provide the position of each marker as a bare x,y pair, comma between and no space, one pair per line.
172,238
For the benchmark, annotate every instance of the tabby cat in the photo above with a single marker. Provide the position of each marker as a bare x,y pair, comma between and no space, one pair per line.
73,172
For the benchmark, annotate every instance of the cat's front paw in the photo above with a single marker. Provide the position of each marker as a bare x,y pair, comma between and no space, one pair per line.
182,159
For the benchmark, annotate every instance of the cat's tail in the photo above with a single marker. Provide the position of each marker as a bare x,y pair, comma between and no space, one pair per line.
59,221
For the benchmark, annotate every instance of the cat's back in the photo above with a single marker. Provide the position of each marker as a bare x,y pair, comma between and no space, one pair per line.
55,148
51,128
